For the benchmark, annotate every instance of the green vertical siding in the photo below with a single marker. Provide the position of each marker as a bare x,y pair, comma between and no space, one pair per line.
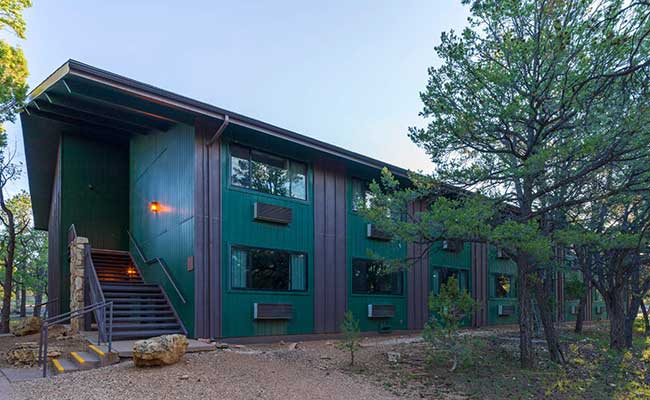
162,170
239,228
94,197
500,266
359,246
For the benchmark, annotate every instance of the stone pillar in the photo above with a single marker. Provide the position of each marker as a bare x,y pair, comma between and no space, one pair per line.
77,263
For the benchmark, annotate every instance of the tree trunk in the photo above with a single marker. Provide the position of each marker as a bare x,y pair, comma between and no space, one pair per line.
527,354
38,299
616,313
545,303
646,321
581,314
23,301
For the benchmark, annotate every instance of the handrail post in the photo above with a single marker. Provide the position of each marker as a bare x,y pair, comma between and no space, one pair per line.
110,327
46,360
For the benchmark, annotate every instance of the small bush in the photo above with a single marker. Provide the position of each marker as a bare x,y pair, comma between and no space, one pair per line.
448,309
351,335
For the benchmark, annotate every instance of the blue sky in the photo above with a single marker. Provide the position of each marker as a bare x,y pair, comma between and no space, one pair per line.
346,72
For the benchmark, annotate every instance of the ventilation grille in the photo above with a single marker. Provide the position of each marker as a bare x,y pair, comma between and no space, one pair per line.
375,233
272,311
381,310
506,310
271,213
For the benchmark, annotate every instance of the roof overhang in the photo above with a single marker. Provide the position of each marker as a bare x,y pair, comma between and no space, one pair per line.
86,100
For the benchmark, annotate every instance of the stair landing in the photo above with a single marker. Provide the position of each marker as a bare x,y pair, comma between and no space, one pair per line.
124,348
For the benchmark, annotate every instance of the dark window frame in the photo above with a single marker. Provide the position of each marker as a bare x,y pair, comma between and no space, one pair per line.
249,185
287,291
400,274
511,294
451,271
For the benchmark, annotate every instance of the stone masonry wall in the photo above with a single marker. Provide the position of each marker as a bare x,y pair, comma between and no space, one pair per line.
77,247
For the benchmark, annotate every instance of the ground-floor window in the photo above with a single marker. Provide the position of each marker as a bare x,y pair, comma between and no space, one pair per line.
267,269
374,277
503,286
441,276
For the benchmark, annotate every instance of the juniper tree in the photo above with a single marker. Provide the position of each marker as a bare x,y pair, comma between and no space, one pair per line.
530,102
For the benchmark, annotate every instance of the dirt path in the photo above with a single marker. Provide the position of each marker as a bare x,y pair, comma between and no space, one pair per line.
253,373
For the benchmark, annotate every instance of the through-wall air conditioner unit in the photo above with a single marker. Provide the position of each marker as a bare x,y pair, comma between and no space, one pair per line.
600,309
372,232
505,310
574,309
381,310
272,311
452,245
272,213
501,254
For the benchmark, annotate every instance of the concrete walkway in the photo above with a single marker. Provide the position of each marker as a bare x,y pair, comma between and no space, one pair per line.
6,392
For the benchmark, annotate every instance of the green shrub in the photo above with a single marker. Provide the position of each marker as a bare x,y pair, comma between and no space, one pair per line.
351,335
448,309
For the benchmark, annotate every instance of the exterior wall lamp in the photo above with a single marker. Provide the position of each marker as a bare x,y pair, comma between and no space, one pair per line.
154,207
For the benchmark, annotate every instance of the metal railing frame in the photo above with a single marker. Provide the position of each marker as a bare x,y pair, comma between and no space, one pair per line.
159,261
57,319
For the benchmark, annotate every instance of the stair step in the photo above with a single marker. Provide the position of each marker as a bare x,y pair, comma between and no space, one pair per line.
140,306
85,359
149,326
144,334
144,313
135,301
143,319
62,366
117,287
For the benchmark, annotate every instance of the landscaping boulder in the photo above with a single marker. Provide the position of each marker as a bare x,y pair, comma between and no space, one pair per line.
26,326
26,354
161,350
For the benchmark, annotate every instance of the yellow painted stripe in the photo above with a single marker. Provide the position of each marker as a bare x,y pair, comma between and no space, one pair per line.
57,365
77,357
96,349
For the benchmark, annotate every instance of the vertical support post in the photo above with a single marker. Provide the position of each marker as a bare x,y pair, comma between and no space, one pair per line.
77,281
110,327
45,359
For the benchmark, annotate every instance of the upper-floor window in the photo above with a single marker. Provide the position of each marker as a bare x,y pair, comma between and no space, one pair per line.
267,173
373,277
361,194
442,275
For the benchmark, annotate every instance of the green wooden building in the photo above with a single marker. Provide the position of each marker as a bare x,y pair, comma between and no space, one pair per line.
247,229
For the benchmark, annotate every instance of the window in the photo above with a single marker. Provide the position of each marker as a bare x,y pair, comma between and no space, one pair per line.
503,286
267,173
361,194
596,296
373,277
441,277
264,269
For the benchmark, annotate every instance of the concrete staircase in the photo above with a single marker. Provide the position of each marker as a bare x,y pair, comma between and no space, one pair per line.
140,310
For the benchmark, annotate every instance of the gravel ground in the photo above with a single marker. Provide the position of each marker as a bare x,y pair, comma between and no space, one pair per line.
313,370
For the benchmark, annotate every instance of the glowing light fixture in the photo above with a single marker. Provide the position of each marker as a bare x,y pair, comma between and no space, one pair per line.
130,271
154,206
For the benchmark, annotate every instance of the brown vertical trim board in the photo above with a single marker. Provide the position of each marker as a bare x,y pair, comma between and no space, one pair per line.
479,271
55,233
417,277
207,232
330,282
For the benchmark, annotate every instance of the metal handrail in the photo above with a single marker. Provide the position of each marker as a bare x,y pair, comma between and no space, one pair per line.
43,338
160,262
96,293
44,303
90,277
